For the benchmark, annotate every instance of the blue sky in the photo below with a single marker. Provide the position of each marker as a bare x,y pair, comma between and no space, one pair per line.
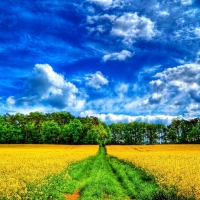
119,60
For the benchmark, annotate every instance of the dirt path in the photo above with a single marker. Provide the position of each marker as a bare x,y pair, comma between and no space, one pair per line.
74,196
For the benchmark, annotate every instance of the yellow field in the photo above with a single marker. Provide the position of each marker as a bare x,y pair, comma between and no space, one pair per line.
24,164
177,165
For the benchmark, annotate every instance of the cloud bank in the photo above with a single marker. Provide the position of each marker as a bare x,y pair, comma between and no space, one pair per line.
114,118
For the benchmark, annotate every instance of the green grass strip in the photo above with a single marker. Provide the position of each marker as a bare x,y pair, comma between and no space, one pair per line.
102,182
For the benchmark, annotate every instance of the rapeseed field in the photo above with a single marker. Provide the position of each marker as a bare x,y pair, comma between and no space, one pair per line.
22,165
172,165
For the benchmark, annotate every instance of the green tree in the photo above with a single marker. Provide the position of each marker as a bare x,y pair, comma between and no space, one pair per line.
50,132
66,135
32,133
117,131
174,131
76,130
104,134
91,136
151,133
194,133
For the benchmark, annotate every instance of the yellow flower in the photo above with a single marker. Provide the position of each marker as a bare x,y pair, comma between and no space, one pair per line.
25,164
176,165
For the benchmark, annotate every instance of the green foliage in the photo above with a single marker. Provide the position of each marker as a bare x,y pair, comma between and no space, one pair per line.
75,129
103,136
179,131
50,132
52,128
91,136
63,128
66,135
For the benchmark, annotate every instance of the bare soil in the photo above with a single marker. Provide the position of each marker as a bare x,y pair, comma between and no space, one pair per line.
74,196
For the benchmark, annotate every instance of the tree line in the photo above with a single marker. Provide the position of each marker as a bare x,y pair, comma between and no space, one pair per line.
180,131
64,128
52,128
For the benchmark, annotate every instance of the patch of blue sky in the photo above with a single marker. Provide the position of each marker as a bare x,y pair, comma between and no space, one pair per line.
113,59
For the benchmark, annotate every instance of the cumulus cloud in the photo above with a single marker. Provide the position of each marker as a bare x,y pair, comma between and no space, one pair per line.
185,77
180,87
121,56
96,80
173,91
114,118
46,87
130,26
45,91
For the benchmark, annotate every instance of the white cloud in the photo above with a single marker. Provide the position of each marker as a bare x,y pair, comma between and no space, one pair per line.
130,26
96,80
155,98
157,85
197,31
114,118
100,29
170,94
187,2
99,23
121,56
163,13
44,86
102,2
185,77
10,100
193,107
45,91
96,18
119,103
122,88
148,71
180,87
193,110
191,33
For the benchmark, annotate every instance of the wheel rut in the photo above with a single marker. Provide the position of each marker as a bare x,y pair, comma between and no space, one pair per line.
103,177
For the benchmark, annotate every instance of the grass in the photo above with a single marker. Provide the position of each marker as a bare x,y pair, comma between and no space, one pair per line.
100,182
103,177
